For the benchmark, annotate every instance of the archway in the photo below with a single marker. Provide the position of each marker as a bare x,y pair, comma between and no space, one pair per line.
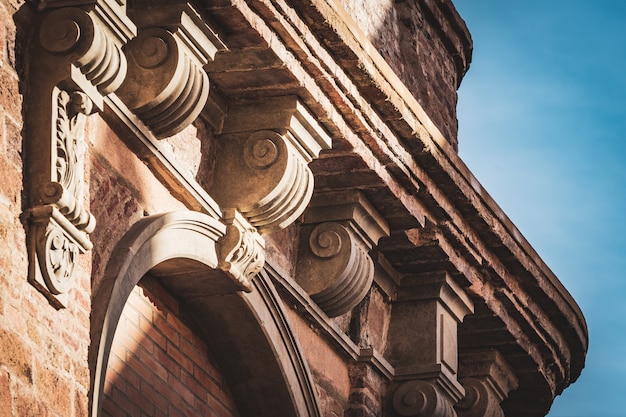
249,332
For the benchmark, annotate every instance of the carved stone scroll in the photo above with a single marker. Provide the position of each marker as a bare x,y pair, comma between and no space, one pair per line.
74,61
166,85
487,379
333,265
262,165
242,250
421,399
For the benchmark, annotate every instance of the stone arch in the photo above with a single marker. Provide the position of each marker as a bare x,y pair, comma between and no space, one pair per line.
249,331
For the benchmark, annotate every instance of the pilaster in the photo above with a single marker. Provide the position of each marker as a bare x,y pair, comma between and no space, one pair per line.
334,266
423,345
262,163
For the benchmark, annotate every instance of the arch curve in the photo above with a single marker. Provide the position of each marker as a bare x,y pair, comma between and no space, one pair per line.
248,331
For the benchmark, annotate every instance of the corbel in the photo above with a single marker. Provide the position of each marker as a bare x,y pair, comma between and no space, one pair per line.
166,85
487,379
423,344
261,167
334,266
75,59
241,251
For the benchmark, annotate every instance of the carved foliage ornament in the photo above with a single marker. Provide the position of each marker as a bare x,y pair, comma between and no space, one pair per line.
59,225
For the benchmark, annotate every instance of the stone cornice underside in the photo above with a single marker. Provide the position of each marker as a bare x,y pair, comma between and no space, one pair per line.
400,161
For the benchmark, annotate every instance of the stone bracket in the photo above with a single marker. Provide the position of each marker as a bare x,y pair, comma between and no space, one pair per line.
269,144
487,379
334,266
166,85
75,60
423,336
419,398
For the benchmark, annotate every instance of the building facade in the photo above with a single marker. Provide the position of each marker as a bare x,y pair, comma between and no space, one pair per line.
256,208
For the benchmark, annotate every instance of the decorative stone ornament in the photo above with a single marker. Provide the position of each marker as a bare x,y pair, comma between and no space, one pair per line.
269,144
74,62
166,86
242,250
427,311
333,265
420,399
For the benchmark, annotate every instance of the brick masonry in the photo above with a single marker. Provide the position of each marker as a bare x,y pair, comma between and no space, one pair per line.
426,45
43,352
159,366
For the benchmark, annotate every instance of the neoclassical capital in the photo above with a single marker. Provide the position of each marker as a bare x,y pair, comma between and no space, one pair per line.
334,266
166,85
487,379
262,162
419,398
241,251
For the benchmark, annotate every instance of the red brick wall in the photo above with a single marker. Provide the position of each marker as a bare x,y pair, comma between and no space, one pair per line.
43,351
159,366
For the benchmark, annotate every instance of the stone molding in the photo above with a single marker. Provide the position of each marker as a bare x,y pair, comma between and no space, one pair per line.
487,379
270,144
334,266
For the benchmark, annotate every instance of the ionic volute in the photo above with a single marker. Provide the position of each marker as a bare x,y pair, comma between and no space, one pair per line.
261,167
334,266
166,85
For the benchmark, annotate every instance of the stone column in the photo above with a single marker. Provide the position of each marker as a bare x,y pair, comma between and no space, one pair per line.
423,345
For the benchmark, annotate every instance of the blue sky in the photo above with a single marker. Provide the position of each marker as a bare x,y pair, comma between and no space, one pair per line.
542,116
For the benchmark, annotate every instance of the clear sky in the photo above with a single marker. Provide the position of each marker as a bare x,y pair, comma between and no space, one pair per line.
542,116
